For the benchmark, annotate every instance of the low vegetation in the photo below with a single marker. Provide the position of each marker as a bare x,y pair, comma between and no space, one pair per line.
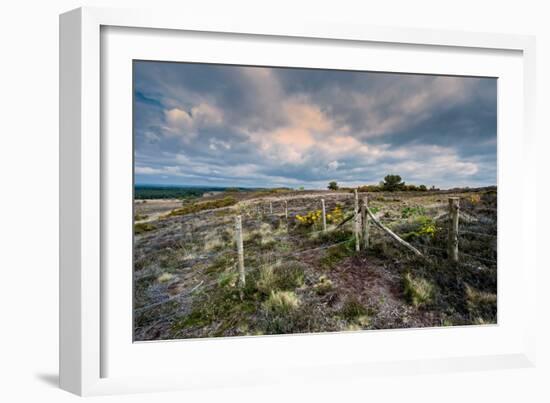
281,302
140,228
418,291
482,306
196,207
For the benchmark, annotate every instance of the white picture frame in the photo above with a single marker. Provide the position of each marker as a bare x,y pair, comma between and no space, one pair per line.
91,361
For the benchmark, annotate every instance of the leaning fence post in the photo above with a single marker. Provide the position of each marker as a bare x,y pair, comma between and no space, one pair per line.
365,222
324,215
240,249
454,208
357,222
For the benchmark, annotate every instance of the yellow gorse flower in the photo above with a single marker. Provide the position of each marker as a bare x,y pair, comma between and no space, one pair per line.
315,217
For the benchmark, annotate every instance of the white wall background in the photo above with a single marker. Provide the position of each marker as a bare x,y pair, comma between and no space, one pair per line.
29,196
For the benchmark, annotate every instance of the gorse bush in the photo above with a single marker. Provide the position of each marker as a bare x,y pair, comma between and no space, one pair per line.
422,227
315,217
427,227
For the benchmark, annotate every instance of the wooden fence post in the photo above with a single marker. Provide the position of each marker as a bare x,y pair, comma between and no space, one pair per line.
454,208
240,249
286,209
357,220
324,215
270,208
365,222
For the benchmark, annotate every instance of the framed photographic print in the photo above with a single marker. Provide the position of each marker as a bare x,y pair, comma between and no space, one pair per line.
242,203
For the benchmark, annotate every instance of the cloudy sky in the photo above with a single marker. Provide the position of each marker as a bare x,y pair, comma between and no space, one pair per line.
215,125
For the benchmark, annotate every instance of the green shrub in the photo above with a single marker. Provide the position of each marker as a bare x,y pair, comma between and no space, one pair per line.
352,309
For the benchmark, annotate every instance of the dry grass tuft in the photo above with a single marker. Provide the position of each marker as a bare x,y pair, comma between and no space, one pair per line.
482,306
165,277
281,302
418,291
323,286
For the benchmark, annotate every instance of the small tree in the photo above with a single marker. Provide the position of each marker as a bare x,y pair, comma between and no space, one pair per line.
392,183
332,185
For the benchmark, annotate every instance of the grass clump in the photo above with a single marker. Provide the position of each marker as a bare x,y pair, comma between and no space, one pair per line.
323,286
290,275
418,291
280,276
201,206
353,310
143,227
482,306
281,302
267,279
228,279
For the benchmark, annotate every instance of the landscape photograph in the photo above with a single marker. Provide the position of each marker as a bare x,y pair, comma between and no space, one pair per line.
277,200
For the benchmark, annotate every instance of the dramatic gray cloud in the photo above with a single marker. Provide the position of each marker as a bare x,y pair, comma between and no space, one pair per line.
200,124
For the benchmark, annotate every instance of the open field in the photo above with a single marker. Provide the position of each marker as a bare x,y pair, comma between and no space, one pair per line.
300,278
